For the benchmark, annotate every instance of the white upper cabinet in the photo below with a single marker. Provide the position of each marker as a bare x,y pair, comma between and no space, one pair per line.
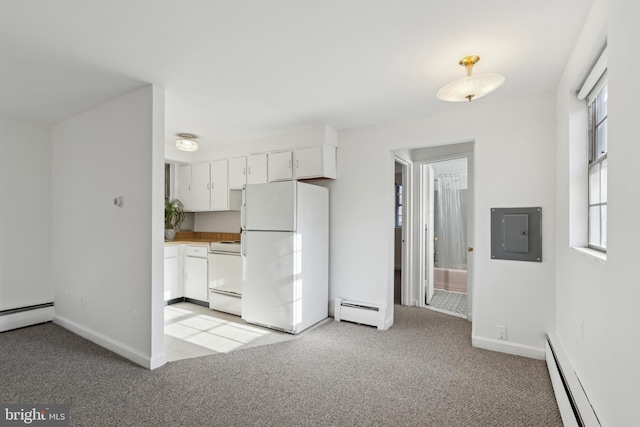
237,173
184,186
315,162
257,168
219,186
200,187
280,166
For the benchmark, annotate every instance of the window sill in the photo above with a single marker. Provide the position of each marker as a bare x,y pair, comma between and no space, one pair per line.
592,253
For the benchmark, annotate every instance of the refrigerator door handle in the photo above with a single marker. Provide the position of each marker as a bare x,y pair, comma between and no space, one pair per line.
243,237
243,207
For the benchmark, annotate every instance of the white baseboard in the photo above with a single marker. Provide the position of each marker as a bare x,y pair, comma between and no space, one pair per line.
503,346
113,345
25,318
388,323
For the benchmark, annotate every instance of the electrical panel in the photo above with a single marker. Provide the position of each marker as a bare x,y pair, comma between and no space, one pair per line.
516,234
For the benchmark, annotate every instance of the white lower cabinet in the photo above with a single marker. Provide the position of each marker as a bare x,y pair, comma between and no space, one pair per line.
172,272
196,278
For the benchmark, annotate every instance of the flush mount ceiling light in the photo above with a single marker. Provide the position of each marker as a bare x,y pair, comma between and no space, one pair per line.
186,142
470,87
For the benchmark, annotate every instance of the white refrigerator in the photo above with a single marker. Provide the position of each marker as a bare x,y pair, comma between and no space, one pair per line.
285,245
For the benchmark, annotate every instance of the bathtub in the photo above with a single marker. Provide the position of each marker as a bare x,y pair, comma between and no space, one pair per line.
449,279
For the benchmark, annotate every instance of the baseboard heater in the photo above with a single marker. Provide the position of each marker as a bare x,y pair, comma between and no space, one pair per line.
575,408
359,312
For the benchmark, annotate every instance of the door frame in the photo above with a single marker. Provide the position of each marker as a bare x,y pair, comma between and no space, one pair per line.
425,238
411,262
407,235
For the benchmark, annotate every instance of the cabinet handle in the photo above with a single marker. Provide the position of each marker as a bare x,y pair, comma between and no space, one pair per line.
189,186
289,164
297,163
212,186
208,188
244,171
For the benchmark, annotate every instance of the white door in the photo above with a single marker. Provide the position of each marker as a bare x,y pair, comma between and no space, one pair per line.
225,272
270,206
257,169
200,187
184,186
237,173
427,220
268,293
309,162
196,278
219,186
280,166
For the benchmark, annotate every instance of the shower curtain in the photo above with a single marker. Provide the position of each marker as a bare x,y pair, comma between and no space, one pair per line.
450,229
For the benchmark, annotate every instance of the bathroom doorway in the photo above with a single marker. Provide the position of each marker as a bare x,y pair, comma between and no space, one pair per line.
444,219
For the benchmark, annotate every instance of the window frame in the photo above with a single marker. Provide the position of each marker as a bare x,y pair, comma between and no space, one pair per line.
595,160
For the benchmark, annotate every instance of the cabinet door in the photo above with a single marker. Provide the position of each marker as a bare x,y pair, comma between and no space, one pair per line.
171,274
316,162
280,166
237,173
184,186
257,169
200,187
195,278
219,186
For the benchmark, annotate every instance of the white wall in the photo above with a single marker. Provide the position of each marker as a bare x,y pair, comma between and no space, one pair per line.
25,235
514,166
596,304
107,261
223,222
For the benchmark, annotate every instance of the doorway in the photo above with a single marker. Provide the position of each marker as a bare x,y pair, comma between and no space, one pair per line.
423,280
444,216
400,276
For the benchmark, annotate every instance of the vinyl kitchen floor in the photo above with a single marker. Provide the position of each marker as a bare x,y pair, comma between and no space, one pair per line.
191,330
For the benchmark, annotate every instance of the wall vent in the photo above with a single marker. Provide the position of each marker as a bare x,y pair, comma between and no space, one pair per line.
359,312
575,408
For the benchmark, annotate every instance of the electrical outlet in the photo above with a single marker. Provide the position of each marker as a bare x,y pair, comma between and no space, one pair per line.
502,332
82,300
66,294
582,328
135,317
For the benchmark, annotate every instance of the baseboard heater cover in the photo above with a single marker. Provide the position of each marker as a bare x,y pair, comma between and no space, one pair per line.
568,388
359,312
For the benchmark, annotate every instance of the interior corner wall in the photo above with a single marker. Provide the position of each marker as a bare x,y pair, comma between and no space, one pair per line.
514,165
104,269
25,235
597,313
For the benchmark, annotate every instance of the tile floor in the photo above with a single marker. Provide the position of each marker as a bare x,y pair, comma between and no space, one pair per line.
454,303
191,330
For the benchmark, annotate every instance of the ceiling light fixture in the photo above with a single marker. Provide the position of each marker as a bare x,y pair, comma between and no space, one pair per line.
470,87
186,142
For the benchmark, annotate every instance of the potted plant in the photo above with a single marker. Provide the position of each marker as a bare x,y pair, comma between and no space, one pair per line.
173,218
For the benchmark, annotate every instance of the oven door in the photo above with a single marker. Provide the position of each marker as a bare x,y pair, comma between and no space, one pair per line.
225,282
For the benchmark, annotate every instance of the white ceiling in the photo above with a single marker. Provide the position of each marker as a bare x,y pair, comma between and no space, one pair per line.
238,69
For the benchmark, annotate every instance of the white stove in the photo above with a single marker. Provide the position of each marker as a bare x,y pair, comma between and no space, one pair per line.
231,246
225,277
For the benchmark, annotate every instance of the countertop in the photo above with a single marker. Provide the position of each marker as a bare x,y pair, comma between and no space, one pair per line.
201,237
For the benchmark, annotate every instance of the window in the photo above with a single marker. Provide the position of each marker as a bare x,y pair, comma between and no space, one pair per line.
398,205
597,122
